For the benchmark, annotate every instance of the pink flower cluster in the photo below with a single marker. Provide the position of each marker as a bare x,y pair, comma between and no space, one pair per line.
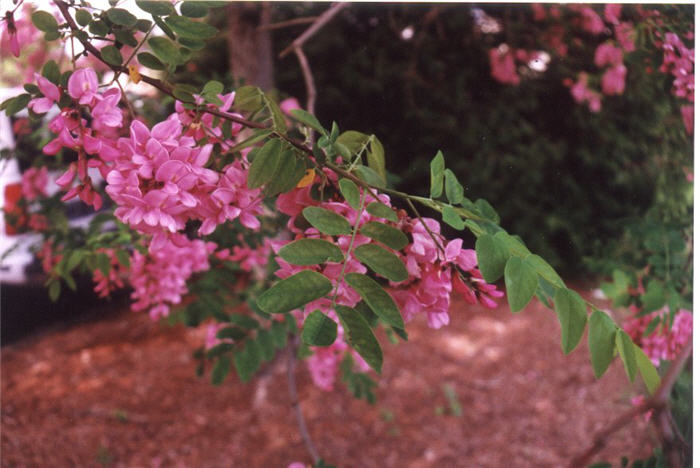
433,273
250,260
582,93
664,343
679,61
106,284
504,63
34,182
76,133
613,81
159,278
159,182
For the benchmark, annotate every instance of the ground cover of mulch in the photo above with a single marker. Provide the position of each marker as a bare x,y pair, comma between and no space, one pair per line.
122,391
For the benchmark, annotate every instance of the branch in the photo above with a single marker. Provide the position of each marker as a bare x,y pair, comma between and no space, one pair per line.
308,79
284,24
320,22
658,401
293,396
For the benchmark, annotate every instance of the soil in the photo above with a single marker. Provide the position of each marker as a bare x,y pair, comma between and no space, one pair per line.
122,391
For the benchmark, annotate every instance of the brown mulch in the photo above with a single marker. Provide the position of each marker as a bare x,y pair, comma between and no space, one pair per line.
122,392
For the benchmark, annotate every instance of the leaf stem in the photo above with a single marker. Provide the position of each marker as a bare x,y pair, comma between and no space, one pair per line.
352,242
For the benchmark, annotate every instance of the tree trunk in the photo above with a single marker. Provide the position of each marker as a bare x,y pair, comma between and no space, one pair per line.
249,48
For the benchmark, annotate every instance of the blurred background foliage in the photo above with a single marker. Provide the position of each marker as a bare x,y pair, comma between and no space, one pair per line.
565,179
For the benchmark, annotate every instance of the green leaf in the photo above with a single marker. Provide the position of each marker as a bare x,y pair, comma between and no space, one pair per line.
544,270
376,298
294,292
282,180
319,329
369,176
150,61
265,164
16,104
647,370
492,255
601,341
247,361
487,210
193,44
375,158
125,37
452,218
355,142
387,235
437,175
625,347
308,119
54,290
213,87
121,17
266,345
521,283
244,321
184,92
453,189
654,297
193,10
143,25
158,8
185,27
164,27
382,262
350,192
98,28
514,246
83,17
360,337
233,333
248,98
111,55
44,21
220,370
278,330
256,137
571,312
51,72
311,252
165,50
380,210
327,221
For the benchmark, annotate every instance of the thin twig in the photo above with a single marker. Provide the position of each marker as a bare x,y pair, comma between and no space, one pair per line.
308,79
425,226
320,22
294,397
658,401
287,23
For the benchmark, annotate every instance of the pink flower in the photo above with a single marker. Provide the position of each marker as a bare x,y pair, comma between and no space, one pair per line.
82,85
34,182
663,343
607,54
688,113
590,21
503,66
613,81
289,104
624,33
51,94
612,13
